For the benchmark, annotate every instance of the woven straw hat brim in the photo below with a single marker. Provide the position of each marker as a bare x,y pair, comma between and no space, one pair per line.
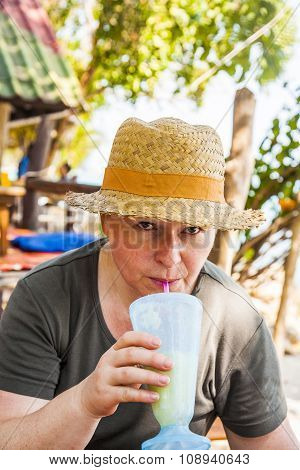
202,213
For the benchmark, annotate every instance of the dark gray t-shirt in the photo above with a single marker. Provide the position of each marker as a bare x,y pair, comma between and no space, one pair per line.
52,335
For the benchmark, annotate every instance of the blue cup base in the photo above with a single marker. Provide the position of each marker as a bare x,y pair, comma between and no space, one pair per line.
176,438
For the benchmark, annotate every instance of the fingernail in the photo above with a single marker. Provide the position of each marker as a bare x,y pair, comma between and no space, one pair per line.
164,379
154,396
168,363
156,342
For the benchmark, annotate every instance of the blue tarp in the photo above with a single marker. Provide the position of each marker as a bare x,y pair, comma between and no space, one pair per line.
51,242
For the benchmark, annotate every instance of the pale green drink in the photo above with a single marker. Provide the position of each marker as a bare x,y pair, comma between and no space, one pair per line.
177,400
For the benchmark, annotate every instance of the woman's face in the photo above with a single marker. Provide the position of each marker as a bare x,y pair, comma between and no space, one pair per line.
148,250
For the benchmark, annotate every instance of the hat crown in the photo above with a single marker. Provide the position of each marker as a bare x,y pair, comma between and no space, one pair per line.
170,170
170,146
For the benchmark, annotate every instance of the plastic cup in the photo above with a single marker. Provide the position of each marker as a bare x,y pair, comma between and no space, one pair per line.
176,319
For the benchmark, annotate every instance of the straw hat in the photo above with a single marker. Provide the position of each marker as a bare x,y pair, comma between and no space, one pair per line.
167,169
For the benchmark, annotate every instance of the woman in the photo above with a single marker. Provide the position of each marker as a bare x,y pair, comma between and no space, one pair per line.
68,354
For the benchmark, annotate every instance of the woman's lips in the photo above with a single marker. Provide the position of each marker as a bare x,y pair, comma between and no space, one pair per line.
160,282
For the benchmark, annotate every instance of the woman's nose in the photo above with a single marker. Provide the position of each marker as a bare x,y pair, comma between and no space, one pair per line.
169,254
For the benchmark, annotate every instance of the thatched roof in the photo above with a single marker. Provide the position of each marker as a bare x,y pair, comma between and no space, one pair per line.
34,75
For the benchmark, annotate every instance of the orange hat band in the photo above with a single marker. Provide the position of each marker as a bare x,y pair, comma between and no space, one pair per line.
163,185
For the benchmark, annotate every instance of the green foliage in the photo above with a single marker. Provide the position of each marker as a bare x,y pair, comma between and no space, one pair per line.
60,11
249,254
20,138
129,43
77,144
277,168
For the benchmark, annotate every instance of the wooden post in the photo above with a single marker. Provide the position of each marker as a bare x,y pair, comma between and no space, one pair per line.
289,268
4,222
37,157
61,127
5,110
239,169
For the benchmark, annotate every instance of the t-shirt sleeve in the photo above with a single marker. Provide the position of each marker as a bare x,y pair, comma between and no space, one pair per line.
29,363
251,401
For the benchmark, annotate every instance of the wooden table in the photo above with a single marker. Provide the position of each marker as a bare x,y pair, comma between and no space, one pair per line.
8,196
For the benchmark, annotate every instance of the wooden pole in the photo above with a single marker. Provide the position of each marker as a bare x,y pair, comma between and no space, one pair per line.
61,126
5,110
289,268
239,168
37,157
4,222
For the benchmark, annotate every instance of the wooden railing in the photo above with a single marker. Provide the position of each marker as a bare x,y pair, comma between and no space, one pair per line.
58,187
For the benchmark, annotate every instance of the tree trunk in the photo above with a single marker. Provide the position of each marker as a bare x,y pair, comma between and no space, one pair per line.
290,268
239,169
38,158
5,110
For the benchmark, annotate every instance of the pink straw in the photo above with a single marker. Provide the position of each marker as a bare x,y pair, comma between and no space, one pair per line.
166,287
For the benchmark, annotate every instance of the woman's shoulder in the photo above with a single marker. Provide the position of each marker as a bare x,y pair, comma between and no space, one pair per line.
226,284
231,324
229,311
64,263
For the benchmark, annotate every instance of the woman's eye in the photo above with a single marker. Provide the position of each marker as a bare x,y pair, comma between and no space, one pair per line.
148,226
145,225
194,230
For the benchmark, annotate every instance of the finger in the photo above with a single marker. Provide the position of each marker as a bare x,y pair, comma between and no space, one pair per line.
132,356
132,375
137,386
137,338
129,394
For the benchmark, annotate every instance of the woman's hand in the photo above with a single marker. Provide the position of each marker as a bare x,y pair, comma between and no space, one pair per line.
117,379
